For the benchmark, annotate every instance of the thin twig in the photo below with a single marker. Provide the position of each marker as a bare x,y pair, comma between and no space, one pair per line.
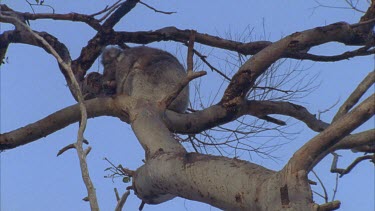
156,10
325,197
336,187
121,202
117,195
341,171
190,52
203,58
66,148
191,75
105,9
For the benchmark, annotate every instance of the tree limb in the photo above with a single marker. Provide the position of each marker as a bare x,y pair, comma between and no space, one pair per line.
354,141
313,151
74,17
246,76
347,170
353,99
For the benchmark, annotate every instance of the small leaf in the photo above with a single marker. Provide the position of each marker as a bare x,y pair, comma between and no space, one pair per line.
126,179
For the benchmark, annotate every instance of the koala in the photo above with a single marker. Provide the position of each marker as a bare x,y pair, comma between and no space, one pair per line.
144,72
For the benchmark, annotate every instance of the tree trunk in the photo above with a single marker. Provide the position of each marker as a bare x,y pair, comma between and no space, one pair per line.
229,184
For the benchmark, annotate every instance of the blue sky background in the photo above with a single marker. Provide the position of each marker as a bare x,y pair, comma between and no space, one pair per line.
32,87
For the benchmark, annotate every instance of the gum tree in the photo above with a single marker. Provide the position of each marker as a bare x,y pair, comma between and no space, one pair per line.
169,169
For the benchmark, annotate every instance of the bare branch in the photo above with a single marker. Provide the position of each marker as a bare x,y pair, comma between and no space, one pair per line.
246,76
83,121
120,12
24,37
325,196
155,10
190,52
203,58
342,172
353,99
107,8
356,141
60,119
75,17
190,74
116,194
313,151
66,148
334,205
121,202
363,51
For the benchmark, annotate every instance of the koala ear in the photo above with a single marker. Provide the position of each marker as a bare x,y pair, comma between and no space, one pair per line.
110,54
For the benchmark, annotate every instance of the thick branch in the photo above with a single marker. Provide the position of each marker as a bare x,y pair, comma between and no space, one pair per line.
353,99
75,17
179,123
217,115
204,178
92,50
313,151
356,140
363,51
120,12
58,120
146,123
246,76
26,38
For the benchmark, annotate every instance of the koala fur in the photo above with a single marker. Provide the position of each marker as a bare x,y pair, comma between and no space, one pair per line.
144,72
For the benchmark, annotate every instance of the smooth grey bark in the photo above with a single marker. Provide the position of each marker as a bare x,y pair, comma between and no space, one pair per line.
229,184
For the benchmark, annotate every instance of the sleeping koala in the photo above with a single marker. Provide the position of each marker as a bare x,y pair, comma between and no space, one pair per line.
144,72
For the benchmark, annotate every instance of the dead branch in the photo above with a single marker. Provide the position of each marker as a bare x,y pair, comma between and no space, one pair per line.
204,60
347,170
334,205
156,10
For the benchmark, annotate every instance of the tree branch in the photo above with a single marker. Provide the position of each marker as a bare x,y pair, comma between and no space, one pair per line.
77,94
120,12
74,17
246,76
122,200
342,172
24,37
353,99
354,141
315,150
56,121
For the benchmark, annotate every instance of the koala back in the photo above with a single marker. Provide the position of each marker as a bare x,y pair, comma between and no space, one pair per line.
149,73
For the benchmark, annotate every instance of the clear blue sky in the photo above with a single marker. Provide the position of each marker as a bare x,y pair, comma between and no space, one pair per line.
32,87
